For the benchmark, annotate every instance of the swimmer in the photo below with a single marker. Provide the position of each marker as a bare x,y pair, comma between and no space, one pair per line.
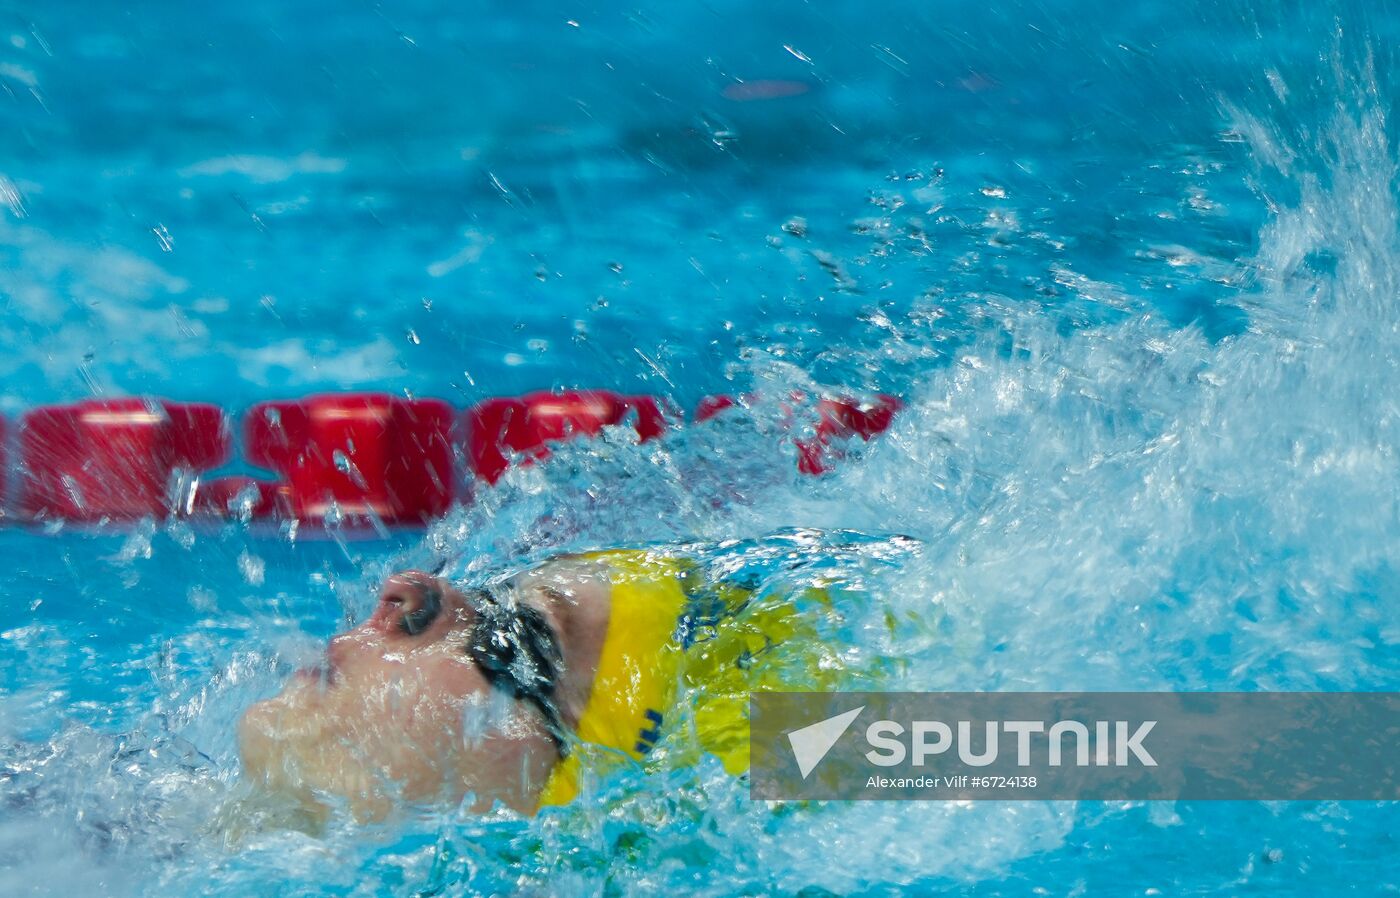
513,691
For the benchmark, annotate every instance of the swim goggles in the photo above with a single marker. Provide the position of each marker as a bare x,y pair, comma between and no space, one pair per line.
512,644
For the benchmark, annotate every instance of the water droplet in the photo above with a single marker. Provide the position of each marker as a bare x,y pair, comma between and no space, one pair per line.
138,543
798,53
344,465
724,136
202,599
253,568
796,226
9,196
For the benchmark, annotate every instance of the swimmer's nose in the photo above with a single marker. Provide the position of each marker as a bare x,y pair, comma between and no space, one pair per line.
409,604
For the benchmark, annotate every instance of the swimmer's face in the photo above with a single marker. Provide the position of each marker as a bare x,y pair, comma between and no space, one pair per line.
398,710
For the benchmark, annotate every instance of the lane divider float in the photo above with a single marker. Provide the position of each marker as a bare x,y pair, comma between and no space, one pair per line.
114,459
506,431
344,458
357,455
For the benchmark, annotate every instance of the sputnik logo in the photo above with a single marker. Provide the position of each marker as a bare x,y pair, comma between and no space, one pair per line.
811,743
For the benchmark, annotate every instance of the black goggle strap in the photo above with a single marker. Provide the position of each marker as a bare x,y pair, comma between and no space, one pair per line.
518,653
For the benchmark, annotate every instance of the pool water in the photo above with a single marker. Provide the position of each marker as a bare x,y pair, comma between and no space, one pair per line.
1133,268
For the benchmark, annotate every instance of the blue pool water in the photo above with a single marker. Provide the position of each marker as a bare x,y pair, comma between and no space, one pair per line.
1132,266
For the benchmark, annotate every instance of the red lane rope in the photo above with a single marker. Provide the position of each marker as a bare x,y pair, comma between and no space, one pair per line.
342,457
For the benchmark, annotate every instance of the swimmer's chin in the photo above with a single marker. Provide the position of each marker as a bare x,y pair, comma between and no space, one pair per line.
324,677
302,772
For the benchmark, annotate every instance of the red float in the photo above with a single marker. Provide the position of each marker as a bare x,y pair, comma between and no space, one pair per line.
837,419
353,455
115,459
503,429
710,406
848,417
842,419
